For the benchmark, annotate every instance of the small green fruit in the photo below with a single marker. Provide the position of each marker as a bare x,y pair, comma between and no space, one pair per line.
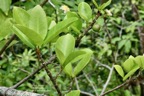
96,27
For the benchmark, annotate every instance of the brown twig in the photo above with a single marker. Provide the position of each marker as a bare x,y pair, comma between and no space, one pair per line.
44,2
36,71
7,44
117,87
48,72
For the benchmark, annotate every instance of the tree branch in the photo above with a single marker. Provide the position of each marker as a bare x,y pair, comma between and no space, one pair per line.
4,91
48,72
117,87
7,44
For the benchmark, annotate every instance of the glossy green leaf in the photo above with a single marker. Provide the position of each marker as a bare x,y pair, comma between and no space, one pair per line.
38,21
95,3
119,70
73,93
72,56
58,28
65,45
104,5
128,64
33,36
21,16
5,28
24,38
69,70
77,25
83,62
5,5
131,72
140,61
100,21
85,11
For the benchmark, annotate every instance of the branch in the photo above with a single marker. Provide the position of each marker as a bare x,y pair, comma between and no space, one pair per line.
48,72
91,84
44,2
7,44
117,87
36,71
4,91
108,80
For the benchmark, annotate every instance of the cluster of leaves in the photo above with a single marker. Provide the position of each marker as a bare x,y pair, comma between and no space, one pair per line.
53,29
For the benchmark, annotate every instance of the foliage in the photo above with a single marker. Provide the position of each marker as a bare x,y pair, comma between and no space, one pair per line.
92,41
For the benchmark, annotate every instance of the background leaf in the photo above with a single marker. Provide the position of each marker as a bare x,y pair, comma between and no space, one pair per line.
85,11
119,70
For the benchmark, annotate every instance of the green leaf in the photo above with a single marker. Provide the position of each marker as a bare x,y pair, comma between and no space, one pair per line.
83,62
128,64
58,28
85,11
95,3
5,5
24,38
140,61
119,70
100,21
121,44
5,28
104,5
69,70
131,72
73,93
128,46
33,36
64,45
21,16
73,56
77,25
38,21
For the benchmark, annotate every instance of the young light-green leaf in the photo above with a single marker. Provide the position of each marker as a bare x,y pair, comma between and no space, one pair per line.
73,93
33,36
119,70
72,56
38,21
128,65
104,5
5,5
21,16
85,11
65,44
131,72
58,28
24,38
83,62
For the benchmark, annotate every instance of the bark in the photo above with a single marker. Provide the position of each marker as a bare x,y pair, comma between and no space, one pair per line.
4,91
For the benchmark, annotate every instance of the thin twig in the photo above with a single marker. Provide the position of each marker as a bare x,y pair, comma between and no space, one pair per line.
7,44
44,2
36,71
108,80
48,72
96,93
86,93
117,87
